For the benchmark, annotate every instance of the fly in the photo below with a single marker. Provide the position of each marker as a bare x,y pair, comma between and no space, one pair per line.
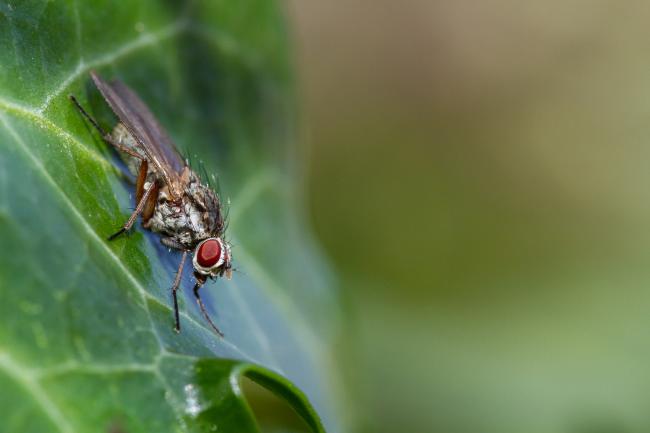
169,196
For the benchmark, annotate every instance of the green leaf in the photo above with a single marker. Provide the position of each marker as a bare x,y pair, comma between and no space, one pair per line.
86,342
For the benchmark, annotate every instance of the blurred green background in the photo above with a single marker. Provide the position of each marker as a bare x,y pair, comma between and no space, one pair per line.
478,172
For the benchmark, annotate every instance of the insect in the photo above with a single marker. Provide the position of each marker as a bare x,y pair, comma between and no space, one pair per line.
169,196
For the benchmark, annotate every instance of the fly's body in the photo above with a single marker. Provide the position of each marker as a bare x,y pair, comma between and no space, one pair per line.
188,220
170,198
196,210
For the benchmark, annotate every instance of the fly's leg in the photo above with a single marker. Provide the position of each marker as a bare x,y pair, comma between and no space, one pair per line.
150,206
171,243
177,282
142,196
107,137
142,178
136,212
200,280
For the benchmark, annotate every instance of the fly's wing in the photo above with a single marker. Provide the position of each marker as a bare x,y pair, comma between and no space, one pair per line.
141,123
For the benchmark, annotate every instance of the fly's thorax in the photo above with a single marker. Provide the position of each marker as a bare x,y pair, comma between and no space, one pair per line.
189,219
203,207
206,199
194,217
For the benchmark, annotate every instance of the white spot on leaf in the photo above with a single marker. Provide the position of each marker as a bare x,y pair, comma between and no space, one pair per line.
192,406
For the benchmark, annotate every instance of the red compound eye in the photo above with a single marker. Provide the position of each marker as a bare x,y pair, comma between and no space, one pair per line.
209,253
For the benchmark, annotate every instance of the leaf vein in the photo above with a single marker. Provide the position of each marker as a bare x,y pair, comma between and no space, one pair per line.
144,40
30,384
47,124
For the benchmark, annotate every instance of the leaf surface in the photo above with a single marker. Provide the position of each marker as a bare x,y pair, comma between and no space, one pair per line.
87,342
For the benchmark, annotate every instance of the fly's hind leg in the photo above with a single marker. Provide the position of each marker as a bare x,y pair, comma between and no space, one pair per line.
143,198
106,136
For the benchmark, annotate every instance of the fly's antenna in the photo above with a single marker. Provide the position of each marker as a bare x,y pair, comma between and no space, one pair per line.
233,246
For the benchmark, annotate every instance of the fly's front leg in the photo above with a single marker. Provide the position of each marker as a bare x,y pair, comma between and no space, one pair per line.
177,282
107,137
153,188
171,243
200,280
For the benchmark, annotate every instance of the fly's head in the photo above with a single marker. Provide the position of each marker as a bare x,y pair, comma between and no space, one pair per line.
212,258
